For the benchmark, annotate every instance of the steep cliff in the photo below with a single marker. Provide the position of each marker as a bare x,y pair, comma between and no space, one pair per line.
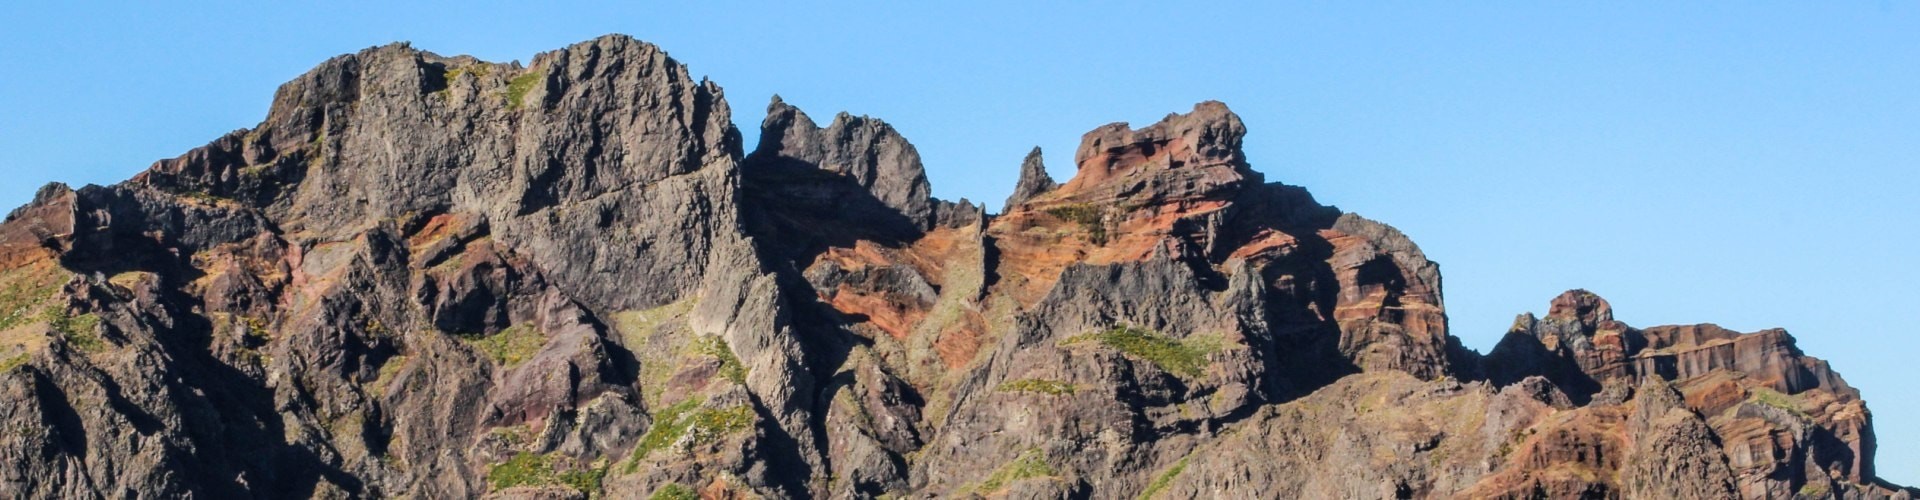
440,277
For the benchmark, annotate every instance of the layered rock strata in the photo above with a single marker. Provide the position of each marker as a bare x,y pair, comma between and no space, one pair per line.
440,277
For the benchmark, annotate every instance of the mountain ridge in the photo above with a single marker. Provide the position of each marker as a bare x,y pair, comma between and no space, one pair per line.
444,277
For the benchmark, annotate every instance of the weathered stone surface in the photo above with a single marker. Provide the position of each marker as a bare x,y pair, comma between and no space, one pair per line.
1034,181
1784,420
437,277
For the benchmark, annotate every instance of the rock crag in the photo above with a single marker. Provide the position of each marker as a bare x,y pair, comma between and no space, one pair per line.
439,277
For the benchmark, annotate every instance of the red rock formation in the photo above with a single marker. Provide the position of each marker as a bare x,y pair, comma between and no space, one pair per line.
1786,419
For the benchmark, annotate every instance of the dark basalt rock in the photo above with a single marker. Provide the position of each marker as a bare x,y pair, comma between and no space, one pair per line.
1034,181
438,277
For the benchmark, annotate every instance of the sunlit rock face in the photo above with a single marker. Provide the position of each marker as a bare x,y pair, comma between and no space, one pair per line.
438,277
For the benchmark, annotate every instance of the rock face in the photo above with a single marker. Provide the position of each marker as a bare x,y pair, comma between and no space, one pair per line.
439,277
1034,181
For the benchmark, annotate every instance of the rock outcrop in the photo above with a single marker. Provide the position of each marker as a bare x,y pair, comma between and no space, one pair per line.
440,277
1787,422
1034,181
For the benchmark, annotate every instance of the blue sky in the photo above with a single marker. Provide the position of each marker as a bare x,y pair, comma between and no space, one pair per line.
1751,164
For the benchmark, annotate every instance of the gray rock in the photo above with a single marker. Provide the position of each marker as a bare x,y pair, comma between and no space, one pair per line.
438,277
1034,181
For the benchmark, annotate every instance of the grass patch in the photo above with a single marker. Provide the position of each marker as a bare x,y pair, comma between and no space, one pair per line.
1029,465
128,280
202,197
533,469
317,150
80,331
1187,358
730,366
24,293
1164,480
1769,397
673,491
388,370
1090,218
1039,386
1813,490
668,425
524,469
687,418
518,87
584,481
511,346
638,326
7,365
713,424
477,70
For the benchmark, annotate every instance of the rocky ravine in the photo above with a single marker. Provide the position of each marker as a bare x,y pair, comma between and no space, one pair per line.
438,277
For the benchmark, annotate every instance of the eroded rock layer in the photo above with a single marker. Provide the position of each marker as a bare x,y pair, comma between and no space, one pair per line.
438,277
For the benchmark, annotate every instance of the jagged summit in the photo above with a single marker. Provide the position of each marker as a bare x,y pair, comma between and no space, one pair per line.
441,277
1582,306
1034,181
1192,155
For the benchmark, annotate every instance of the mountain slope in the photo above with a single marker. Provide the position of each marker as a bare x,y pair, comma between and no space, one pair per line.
439,277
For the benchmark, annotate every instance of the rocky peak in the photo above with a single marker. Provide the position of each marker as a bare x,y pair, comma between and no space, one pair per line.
441,277
1721,374
1034,181
865,150
578,144
1187,156
1583,307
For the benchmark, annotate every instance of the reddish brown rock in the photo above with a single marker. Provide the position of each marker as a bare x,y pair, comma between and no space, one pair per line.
437,277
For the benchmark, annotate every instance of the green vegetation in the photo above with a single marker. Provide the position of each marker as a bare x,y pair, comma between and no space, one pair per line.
1519,436
1039,386
684,418
518,87
712,424
674,491
661,339
638,326
1769,397
388,369
511,346
585,480
1090,218
201,196
254,329
27,297
317,150
476,69
24,293
668,425
730,366
1187,358
80,331
523,469
1164,480
1813,490
7,365
254,171
1029,465
127,280
533,469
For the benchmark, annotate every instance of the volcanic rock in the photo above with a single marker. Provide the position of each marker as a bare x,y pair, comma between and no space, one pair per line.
438,277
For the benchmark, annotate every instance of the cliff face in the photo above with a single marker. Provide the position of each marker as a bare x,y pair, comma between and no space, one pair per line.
439,277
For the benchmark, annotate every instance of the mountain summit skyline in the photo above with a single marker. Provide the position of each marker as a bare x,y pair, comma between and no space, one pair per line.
435,276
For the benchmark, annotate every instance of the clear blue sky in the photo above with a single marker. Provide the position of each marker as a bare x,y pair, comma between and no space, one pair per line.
1751,163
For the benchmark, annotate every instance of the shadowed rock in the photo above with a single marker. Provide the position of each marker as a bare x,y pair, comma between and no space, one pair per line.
438,277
